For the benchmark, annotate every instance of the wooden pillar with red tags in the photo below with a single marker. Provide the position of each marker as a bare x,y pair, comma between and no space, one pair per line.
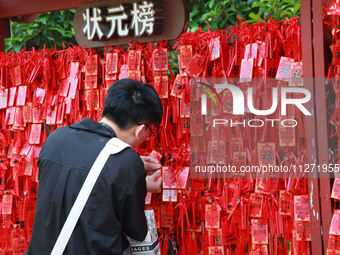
317,145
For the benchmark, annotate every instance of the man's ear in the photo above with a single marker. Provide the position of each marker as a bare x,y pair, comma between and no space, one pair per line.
139,130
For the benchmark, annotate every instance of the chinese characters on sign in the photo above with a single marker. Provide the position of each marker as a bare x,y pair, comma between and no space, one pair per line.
110,21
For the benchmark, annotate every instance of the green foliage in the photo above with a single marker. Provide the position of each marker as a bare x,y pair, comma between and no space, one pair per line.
223,14
278,9
50,28
55,27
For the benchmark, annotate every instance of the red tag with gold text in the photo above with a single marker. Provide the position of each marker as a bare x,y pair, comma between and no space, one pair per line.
112,63
301,208
21,95
285,203
335,227
287,133
161,86
7,204
259,232
336,189
260,249
196,66
185,52
17,75
256,202
215,250
303,231
247,67
160,59
296,75
212,216
35,134
177,87
169,181
266,154
91,65
134,59
27,113
166,217
3,98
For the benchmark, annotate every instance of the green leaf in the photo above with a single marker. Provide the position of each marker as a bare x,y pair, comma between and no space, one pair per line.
259,4
211,3
194,12
296,8
254,17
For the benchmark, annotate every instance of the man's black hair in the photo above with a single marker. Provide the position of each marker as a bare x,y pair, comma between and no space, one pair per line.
130,102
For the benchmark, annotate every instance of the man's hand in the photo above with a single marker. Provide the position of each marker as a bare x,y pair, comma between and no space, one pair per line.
154,182
150,164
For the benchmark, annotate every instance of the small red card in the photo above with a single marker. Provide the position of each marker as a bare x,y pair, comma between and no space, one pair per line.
160,59
285,203
334,242
177,87
134,59
91,82
266,154
196,66
336,189
73,88
123,72
12,93
184,110
7,204
169,180
17,76
169,195
284,69
18,119
182,178
21,96
332,252
236,144
167,220
10,115
112,63
287,134
212,216
259,232
3,98
148,198
35,134
161,86
335,227
260,249
247,67
303,231
215,49
217,152
91,65
40,95
185,52
256,202
215,250
74,70
301,208
51,119
27,113
227,101
296,74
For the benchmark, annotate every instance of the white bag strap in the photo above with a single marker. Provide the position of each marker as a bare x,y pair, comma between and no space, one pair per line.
113,146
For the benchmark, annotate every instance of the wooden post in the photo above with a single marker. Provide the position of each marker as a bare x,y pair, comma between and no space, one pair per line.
311,134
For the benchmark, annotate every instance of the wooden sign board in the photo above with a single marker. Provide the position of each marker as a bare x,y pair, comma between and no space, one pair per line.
117,22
